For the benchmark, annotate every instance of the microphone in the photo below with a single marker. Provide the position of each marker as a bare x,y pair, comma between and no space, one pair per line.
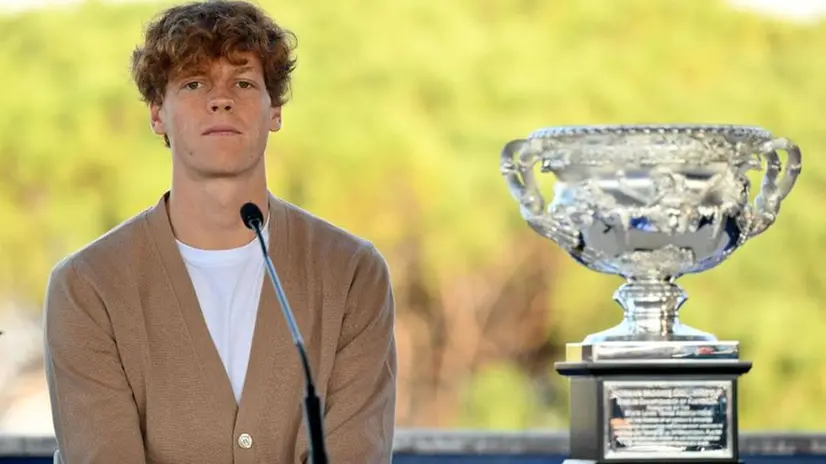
253,218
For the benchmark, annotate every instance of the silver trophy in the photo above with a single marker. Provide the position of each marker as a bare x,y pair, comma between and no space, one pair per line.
651,203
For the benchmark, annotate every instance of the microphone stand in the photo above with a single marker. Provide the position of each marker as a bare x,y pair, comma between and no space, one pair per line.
312,405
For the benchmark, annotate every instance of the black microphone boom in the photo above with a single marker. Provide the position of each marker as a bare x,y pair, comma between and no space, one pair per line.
254,219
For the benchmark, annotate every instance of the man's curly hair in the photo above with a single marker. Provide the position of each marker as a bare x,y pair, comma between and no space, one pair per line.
187,37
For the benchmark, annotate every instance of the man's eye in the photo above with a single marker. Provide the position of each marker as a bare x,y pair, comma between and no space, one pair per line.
245,84
192,85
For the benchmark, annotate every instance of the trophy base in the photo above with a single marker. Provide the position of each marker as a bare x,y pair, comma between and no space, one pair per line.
653,411
636,351
624,332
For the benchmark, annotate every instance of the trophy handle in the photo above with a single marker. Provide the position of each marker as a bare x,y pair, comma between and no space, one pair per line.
767,204
516,165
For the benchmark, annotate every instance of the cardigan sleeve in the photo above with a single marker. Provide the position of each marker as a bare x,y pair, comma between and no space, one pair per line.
360,401
93,410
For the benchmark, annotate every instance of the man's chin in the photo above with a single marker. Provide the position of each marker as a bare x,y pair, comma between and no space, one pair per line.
227,173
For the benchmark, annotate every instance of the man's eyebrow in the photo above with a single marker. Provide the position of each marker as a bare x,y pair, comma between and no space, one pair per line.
243,69
188,74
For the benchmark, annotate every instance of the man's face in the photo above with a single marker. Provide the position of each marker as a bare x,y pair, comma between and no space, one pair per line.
218,118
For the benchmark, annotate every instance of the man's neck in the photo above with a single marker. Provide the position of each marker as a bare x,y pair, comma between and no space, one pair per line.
206,215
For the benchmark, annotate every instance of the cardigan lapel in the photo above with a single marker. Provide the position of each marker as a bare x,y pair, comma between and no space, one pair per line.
215,376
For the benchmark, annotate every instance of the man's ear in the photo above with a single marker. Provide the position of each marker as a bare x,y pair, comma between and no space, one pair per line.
275,119
156,119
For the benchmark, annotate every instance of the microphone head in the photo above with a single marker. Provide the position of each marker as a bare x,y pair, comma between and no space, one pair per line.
251,215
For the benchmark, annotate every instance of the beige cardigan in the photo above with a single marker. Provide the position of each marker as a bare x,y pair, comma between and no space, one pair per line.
134,376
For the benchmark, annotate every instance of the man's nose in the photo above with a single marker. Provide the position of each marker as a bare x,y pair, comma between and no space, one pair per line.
221,104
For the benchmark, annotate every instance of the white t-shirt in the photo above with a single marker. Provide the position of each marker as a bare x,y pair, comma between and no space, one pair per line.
228,286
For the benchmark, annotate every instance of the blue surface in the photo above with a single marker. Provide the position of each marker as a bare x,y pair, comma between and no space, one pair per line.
557,459
492,459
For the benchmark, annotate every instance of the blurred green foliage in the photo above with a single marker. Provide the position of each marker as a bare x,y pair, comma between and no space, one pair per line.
399,110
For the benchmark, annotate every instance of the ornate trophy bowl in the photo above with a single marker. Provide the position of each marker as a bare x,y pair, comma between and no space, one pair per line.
650,203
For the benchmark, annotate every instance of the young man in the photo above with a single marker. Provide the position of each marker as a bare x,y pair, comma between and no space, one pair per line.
165,342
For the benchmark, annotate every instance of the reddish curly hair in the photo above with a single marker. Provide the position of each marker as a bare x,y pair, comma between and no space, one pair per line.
189,36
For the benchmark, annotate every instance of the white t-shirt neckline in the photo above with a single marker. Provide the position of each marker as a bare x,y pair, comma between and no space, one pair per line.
227,284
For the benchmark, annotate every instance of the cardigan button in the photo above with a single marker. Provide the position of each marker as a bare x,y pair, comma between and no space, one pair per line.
245,441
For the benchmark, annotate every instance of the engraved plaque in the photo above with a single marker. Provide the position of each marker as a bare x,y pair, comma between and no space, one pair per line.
668,419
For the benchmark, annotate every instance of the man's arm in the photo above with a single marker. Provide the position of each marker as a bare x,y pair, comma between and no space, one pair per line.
361,398
94,413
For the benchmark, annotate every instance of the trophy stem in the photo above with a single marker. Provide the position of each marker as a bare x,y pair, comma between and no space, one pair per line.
651,306
651,313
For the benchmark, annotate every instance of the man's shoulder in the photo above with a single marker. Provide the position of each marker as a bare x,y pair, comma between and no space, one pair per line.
322,234
109,250
331,246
